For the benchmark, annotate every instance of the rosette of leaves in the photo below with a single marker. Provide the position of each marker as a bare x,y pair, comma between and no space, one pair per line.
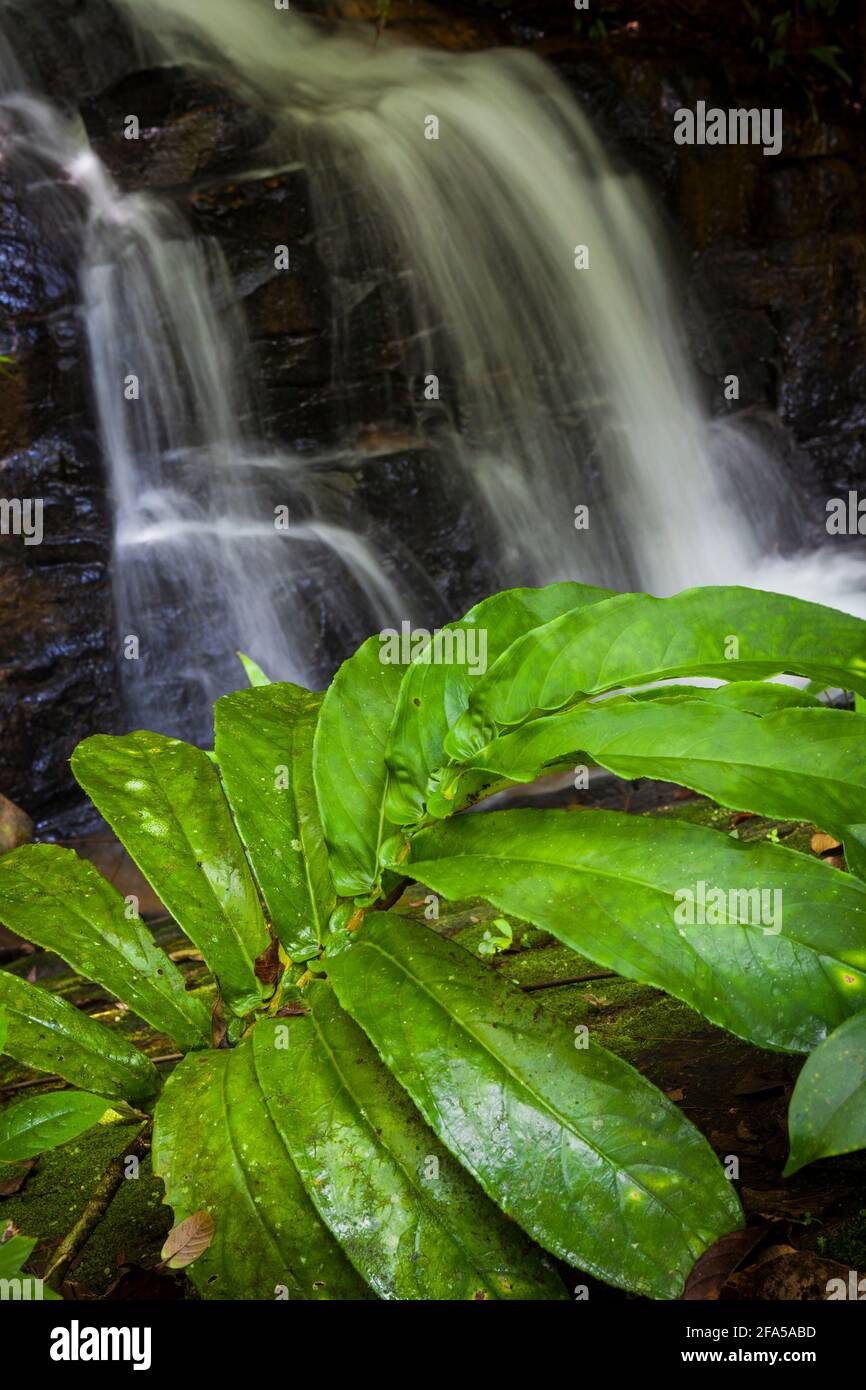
382,1114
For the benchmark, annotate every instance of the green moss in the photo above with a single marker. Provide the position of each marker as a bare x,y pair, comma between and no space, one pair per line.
58,1189
699,810
847,1243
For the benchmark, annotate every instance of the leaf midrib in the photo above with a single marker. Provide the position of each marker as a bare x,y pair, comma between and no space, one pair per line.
525,1086
420,1195
213,934
619,877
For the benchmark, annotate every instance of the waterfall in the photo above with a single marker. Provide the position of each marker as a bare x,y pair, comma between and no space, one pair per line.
546,379
568,387
201,567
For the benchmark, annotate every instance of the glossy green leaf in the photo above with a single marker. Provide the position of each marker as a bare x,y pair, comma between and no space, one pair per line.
47,1033
4,1029
254,673
164,801
349,765
780,960
437,685
827,1115
633,639
51,897
38,1123
591,1160
14,1254
409,1218
753,697
264,747
217,1149
803,764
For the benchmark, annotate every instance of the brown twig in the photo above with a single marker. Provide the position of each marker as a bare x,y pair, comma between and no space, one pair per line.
569,980
96,1207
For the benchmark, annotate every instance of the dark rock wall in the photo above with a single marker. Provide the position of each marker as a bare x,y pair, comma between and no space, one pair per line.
773,259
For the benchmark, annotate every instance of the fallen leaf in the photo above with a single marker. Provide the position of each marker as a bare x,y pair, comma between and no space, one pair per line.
774,1203
17,1178
268,964
801,1276
758,1082
716,1265
190,1239
218,1025
821,842
678,1094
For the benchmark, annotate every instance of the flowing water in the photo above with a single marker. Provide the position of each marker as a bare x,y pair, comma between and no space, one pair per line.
542,386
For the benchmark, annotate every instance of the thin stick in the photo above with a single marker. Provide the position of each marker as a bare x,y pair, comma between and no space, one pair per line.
96,1207
569,980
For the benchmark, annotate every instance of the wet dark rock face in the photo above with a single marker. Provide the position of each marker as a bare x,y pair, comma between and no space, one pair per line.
774,247
774,283
57,667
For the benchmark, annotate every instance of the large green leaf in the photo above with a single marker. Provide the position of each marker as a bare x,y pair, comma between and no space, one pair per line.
47,1033
409,1218
51,897
755,697
264,747
14,1252
437,685
827,1115
807,764
581,1150
164,801
630,640
254,673
217,1149
349,765
38,1123
781,966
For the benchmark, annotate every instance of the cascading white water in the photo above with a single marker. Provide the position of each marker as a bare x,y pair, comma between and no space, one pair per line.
571,386
560,387
202,565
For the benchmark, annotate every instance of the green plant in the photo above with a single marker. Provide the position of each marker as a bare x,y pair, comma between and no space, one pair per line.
491,944
15,1251
778,41
376,1094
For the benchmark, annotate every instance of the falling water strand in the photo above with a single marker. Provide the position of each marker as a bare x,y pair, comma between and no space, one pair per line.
560,387
572,385
203,565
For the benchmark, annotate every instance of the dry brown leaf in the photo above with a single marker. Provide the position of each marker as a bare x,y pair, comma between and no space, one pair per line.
188,1240
268,964
14,1175
716,1265
821,843
218,1025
